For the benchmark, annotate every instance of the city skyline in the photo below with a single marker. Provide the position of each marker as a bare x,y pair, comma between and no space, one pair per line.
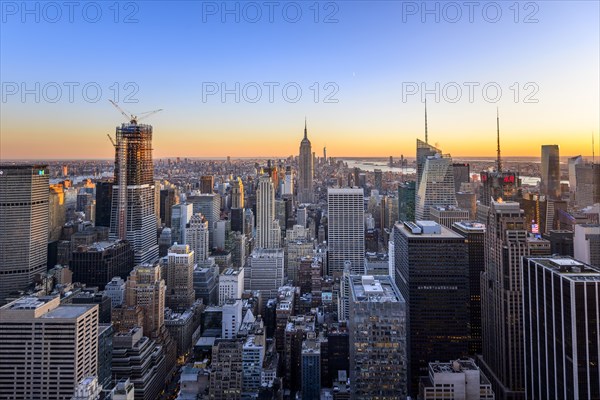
364,53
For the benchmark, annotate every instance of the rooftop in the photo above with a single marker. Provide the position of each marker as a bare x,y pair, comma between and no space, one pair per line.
426,229
69,311
569,268
470,226
376,289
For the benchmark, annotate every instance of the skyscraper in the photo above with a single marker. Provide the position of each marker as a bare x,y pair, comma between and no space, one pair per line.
209,205
168,198
424,150
24,225
550,171
197,237
561,302
436,187
474,232
572,164
264,272
378,338
268,231
132,213
47,348
432,276
146,289
345,230
586,243
305,170
180,217
104,190
501,300
179,270
98,263
207,183
237,193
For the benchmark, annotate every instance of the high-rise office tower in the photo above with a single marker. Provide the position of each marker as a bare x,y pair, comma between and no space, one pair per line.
436,187
146,289
424,150
57,212
178,266
132,213
305,170
586,244
209,205
226,378
406,201
550,171
474,233
24,225
501,299
378,339
180,217
47,348
432,275
103,202
264,272
268,231
498,185
462,174
378,177
561,304
572,164
207,183
311,369
345,230
140,362
237,193
98,263
168,198
588,184
197,237
288,182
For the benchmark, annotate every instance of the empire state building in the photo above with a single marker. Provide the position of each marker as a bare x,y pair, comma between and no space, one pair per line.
305,170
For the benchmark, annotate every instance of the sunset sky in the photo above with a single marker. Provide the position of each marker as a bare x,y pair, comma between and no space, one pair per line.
369,53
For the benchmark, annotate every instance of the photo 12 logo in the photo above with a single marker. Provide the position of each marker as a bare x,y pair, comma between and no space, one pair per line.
52,12
453,12
454,92
253,12
68,92
271,92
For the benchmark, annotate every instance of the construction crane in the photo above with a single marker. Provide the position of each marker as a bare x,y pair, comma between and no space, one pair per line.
133,119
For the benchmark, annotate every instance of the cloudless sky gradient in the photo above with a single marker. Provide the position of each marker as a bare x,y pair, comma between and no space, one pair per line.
373,51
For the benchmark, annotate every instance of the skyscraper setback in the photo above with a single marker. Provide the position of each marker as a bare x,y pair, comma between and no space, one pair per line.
24,231
133,216
305,170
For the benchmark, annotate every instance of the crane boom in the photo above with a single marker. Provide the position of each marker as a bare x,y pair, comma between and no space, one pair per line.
133,119
148,113
111,140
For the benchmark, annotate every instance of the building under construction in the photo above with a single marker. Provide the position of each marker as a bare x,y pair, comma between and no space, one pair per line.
132,216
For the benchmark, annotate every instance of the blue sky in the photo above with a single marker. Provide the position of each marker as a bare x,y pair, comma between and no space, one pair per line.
372,50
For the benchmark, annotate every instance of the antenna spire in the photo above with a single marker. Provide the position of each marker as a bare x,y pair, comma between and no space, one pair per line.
426,139
593,150
498,139
305,135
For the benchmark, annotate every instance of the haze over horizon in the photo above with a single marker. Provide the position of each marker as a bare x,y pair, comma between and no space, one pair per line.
361,64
